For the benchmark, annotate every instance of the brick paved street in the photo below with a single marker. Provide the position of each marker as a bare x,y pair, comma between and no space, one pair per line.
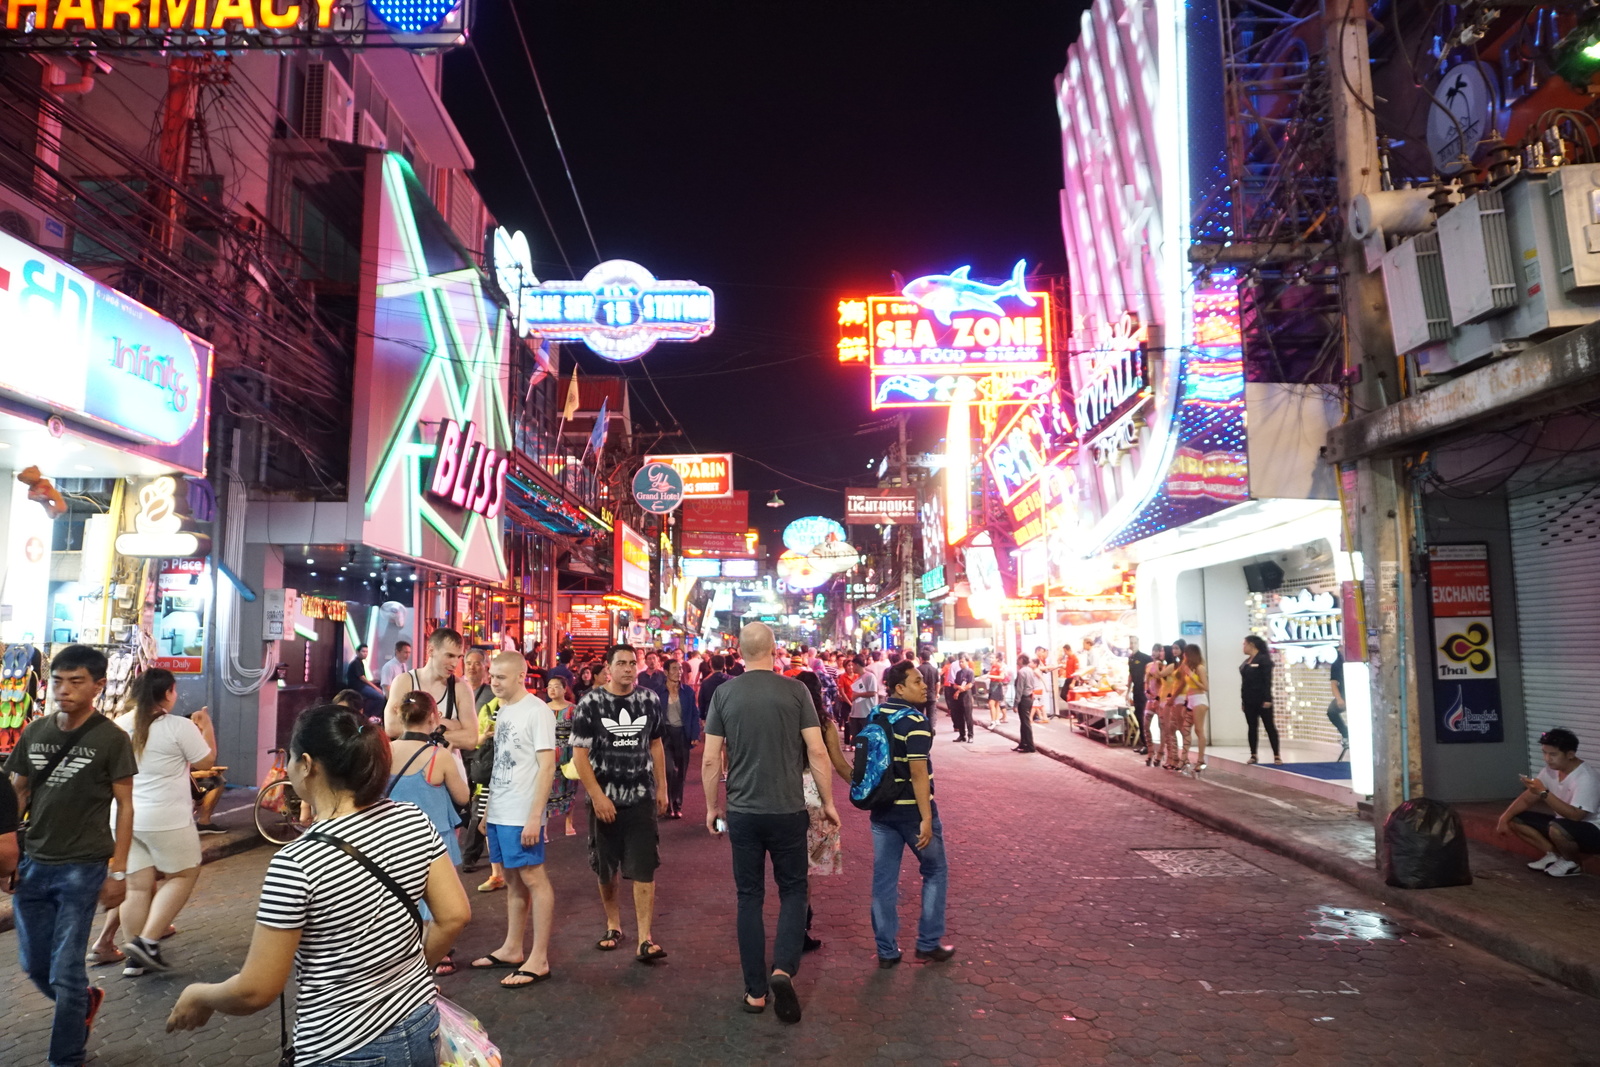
1074,947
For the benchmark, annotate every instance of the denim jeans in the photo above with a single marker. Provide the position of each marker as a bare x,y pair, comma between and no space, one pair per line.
54,907
408,1043
889,842
752,838
676,745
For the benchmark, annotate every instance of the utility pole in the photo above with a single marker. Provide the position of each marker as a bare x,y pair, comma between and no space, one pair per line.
908,598
1382,517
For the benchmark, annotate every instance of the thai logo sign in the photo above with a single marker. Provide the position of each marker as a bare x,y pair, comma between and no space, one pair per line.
91,353
233,25
705,475
467,473
658,488
620,310
1466,677
880,507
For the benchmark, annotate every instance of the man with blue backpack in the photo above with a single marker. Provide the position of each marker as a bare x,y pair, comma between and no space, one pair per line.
893,779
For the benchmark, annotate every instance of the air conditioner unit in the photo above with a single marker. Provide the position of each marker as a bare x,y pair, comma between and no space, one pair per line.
1477,258
330,109
1419,304
371,133
21,218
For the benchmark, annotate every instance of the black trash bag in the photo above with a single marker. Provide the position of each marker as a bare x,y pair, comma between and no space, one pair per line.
1424,846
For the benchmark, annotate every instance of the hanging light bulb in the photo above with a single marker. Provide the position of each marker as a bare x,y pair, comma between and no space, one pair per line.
776,501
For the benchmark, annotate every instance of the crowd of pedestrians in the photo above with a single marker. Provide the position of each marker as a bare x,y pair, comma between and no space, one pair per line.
411,779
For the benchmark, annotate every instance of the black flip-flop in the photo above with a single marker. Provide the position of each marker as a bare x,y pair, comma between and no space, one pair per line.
614,936
785,1004
536,979
495,963
753,1009
649,952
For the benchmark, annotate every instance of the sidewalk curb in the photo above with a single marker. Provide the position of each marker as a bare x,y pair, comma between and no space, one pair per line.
1524,945
211,850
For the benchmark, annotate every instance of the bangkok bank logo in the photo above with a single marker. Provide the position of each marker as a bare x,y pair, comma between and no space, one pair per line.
1460,719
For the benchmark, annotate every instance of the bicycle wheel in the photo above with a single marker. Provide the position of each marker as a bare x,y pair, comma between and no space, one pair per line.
278,812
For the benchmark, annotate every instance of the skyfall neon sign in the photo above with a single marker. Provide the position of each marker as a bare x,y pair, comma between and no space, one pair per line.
619,309
465,473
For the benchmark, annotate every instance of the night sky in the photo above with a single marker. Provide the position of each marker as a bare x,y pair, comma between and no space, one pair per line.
785,155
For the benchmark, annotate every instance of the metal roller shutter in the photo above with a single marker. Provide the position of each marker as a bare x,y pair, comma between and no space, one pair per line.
1555,547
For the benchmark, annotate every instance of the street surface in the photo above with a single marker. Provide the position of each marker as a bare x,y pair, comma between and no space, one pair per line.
1091,928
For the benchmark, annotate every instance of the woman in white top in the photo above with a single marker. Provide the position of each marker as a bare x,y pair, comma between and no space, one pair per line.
365,987
165,840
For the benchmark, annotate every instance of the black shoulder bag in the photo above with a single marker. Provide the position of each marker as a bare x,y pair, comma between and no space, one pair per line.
286,1050
38,778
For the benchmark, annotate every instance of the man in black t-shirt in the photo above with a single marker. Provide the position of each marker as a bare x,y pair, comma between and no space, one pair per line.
356,678
1137,662
961,695
618,753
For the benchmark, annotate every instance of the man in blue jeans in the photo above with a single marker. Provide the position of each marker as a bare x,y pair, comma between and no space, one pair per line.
911,819
769,728
70,859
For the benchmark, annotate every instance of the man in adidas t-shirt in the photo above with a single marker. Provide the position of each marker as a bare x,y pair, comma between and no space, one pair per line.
911,819
618,754
524,770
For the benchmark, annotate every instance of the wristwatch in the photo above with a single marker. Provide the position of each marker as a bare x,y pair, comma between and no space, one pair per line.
118,876
1544,794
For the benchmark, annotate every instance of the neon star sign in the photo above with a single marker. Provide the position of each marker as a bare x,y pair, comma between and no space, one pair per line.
620,310
432,358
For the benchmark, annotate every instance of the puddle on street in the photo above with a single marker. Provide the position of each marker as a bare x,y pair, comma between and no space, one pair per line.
1352,924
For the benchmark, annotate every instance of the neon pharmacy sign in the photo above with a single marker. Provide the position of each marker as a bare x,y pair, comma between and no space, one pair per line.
234,24
619,309
465,473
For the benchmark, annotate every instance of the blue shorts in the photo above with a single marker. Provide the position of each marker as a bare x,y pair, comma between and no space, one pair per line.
506,847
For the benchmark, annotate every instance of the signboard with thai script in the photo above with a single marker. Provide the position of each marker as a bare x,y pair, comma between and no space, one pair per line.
880,507
1466,676
84,350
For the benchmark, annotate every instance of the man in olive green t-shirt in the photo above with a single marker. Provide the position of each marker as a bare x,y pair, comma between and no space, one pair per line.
71,860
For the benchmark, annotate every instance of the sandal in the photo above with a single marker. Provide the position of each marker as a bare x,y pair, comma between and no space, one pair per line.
532,979
1277,760
649,952
444,968
753,1009
491,885
491,962
1252,760
99,957
613,936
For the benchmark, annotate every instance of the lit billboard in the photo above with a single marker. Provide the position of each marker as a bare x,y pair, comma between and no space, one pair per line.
630,573
705,475
619,309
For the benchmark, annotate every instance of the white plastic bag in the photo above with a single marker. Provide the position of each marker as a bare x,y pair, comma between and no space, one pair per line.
462,1040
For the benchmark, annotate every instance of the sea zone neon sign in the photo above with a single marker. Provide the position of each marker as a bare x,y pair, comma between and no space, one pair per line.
467,474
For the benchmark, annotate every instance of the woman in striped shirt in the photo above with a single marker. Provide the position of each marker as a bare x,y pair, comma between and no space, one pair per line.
363,963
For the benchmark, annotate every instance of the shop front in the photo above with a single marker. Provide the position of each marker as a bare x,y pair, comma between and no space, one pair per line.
418,541
104,424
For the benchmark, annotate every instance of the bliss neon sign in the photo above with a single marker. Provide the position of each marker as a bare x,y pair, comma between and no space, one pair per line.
465,473
619,309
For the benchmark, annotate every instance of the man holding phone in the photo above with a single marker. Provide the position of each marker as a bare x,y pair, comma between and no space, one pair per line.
1570,789
769,728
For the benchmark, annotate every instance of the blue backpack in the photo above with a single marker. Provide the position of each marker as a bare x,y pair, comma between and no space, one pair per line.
873,783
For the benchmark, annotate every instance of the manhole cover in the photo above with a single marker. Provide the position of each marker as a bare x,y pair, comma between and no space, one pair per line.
1198,862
